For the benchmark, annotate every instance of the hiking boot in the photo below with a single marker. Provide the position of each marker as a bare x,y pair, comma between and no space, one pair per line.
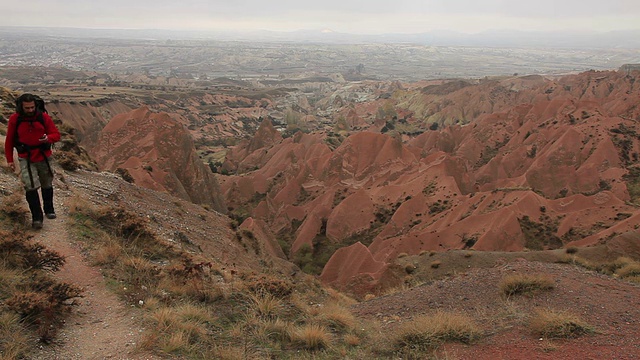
47,202
50,215
36,210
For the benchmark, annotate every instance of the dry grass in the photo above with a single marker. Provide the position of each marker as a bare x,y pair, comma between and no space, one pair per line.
518,284
14,211
629,270
265,305
178,330
340,298
623,267
352,340
427,332
558,324
338,317
14,340
108,254
311,336
277,329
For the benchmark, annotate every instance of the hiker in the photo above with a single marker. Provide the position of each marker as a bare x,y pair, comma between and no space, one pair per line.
31,131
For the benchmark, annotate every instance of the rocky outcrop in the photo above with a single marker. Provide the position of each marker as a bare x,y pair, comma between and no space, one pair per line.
158,153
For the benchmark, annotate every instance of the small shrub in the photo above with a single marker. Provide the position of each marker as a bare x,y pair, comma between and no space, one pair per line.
402,255
409,268
558,324
68,160
571,250
124,173
17,251
525,284
262,283
436,264
44,305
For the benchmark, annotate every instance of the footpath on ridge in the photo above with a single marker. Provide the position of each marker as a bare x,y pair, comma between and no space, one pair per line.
101,326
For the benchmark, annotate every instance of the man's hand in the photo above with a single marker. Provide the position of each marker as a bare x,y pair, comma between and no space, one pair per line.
44,139
12,166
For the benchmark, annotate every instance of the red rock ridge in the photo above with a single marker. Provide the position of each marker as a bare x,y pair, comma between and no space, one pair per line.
159,154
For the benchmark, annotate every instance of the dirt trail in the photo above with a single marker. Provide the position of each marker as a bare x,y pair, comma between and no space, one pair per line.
101,327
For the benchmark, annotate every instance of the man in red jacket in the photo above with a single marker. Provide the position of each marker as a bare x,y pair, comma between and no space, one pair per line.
32,132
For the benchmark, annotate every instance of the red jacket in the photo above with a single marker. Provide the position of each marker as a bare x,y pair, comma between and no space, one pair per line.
29,133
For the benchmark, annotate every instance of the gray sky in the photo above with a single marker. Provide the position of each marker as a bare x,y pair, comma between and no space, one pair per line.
353,16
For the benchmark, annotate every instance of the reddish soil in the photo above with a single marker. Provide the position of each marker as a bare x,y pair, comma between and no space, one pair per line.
610,305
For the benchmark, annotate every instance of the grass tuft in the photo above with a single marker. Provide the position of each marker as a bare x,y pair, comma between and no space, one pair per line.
311,336
558,324
629,270
518,284
338,317
14,341
427,332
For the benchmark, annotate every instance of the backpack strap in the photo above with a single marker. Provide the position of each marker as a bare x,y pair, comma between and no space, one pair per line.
16,140
26,148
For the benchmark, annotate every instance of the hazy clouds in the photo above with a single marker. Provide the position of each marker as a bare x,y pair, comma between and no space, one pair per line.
372,16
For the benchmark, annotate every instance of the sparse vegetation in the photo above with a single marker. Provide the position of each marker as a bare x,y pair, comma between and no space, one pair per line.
518,284
187,299
426,332
622,267
558,324
629,270
540,235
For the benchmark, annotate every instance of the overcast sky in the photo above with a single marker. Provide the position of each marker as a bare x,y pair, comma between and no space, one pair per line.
352,16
